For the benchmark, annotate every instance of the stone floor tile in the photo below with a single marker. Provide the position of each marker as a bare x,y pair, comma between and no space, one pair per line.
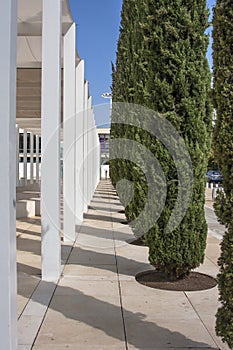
105,288
28,327
82,319
98,270
167,333
92,256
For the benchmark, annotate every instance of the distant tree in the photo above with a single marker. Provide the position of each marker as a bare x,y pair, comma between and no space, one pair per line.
161,65
223,146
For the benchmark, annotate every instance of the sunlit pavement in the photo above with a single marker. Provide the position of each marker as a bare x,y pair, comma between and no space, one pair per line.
97,304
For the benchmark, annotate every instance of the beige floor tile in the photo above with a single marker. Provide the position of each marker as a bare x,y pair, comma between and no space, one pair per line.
27,329
69,286
82,319
92,256
91,241
209,268
167,333
204,302
154,307
97,271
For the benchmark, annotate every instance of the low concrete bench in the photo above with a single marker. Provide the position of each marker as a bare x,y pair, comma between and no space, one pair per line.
28,208
28,201
25,208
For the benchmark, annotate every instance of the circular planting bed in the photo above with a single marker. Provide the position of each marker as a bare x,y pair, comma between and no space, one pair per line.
193,282
138,242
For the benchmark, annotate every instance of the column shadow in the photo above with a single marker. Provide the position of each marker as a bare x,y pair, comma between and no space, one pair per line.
106,317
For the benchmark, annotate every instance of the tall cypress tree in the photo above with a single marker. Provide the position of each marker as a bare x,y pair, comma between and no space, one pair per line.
124,89
223,146
167,71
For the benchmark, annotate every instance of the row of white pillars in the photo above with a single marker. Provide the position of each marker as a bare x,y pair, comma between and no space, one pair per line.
78,157
78,119
79,164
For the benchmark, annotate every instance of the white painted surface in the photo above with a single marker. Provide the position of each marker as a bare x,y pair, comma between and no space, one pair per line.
21,170
89,149
8,300
50,131
37,160
85,148
69,131
79,143
25,172
17,154
31,159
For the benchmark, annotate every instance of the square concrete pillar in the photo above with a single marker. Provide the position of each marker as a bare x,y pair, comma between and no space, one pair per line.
79,199
8,299
69,132
50,133
85,148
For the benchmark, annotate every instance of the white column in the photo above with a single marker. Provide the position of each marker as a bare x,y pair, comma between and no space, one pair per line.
31,157
90,154
37,159
8,299
69,128
94,154
17,155
50,132
79,143
25,172
85,148
94,151
97,157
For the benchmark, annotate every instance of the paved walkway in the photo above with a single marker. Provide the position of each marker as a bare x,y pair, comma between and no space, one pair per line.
97,304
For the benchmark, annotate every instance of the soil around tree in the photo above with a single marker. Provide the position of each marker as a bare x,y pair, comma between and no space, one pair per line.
195,281
138,242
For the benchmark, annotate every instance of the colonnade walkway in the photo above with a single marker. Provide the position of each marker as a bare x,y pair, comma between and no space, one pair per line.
97,303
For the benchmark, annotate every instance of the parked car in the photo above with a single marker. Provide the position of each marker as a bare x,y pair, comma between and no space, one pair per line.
214,176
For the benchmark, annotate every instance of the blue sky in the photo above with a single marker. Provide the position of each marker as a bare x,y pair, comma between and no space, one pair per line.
97,34
98,24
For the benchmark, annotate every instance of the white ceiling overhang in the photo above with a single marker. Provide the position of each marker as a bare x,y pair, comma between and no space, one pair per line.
29,53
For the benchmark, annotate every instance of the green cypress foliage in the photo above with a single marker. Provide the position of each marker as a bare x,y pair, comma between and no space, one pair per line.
161,65
223,146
